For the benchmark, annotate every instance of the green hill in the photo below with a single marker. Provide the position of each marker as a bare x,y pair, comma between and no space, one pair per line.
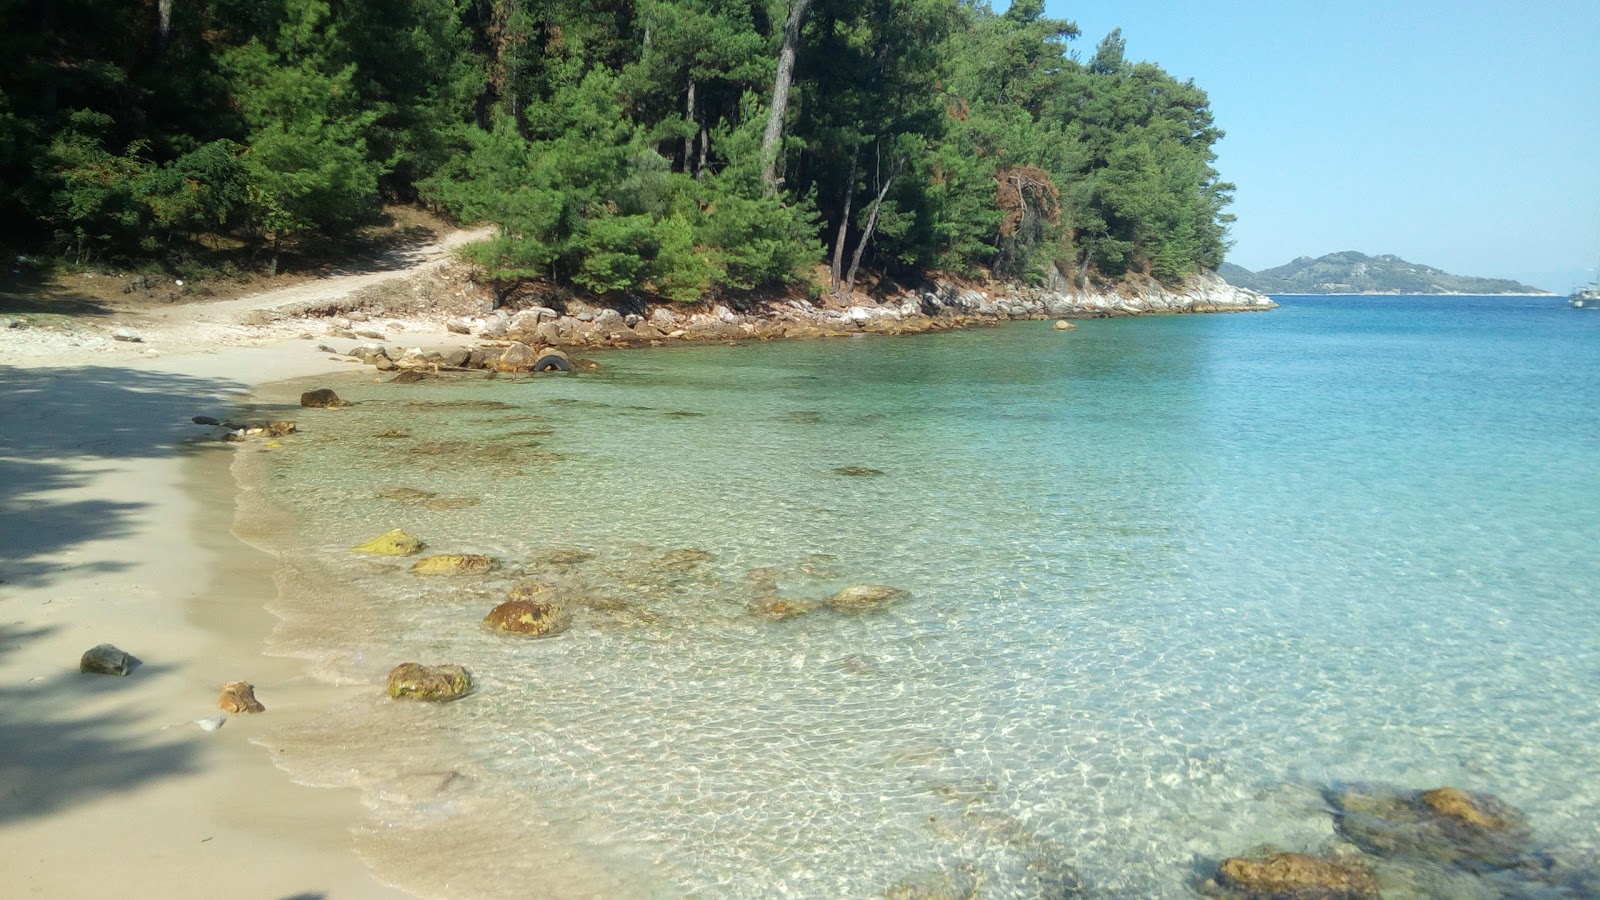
1357,273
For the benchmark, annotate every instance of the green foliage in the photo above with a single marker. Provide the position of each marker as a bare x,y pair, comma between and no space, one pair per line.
307,166
615,143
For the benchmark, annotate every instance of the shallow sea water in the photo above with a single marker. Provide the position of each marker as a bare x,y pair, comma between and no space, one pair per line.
1169,579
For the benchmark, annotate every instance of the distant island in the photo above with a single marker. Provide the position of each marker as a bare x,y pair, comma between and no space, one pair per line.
1357,273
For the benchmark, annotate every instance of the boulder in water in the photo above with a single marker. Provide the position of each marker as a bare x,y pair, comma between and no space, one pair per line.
453,564
321,398
866,598
415,681
1064,325
1291,876
518,357
529,617
239,697
391,543
106,659
1472,830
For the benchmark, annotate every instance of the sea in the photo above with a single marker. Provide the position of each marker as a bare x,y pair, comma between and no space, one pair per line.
1170,581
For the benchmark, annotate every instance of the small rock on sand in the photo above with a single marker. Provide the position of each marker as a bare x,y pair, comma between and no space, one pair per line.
106,659
239,697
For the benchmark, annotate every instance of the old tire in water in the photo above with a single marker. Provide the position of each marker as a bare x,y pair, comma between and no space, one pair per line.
552,361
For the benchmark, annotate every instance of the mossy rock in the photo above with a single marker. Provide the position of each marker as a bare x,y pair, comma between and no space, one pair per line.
529,617
391,543
1291,876
453,564
859,598
415,681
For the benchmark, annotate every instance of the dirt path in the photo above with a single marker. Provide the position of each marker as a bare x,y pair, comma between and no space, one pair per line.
341,283
128,330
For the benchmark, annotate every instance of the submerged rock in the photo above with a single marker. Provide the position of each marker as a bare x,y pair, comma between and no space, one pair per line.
239,697
204,420
561,558
780,608
857,471
1291,876
391,543
415,681
451,502
322,398
529,617
106,659
529,590
405,494
682,561
959,884
866,598
1472,830
764,579
453,564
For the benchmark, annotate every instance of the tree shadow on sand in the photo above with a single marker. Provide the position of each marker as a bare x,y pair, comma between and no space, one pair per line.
62,428
49,761
65,436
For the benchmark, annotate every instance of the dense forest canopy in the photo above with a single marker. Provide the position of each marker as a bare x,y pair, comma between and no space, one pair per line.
672,147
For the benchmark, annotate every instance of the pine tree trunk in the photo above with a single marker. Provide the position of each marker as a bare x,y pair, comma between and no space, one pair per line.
163,24
837,268
866,233
688,142
773,137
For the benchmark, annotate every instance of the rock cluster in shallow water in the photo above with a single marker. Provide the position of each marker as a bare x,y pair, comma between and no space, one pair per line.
1440,843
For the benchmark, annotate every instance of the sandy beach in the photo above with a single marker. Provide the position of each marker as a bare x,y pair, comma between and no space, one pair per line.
116,529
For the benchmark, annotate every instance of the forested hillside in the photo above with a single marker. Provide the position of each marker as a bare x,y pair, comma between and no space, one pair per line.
669,147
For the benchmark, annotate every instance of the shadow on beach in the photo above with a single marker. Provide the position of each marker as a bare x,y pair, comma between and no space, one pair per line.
61,428
66,435
50,761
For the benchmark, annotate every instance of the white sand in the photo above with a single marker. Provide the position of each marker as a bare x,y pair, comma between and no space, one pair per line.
114,527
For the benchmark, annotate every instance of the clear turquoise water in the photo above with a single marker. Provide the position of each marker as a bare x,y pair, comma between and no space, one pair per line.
1170,577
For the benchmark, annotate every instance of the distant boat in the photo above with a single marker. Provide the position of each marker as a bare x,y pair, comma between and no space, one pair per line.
1585,298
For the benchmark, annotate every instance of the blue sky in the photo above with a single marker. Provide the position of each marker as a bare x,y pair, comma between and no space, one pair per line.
1463,135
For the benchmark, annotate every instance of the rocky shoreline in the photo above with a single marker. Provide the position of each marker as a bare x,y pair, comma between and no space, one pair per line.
941,307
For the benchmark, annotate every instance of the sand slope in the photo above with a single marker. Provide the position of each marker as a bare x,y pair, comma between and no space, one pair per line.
114,518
